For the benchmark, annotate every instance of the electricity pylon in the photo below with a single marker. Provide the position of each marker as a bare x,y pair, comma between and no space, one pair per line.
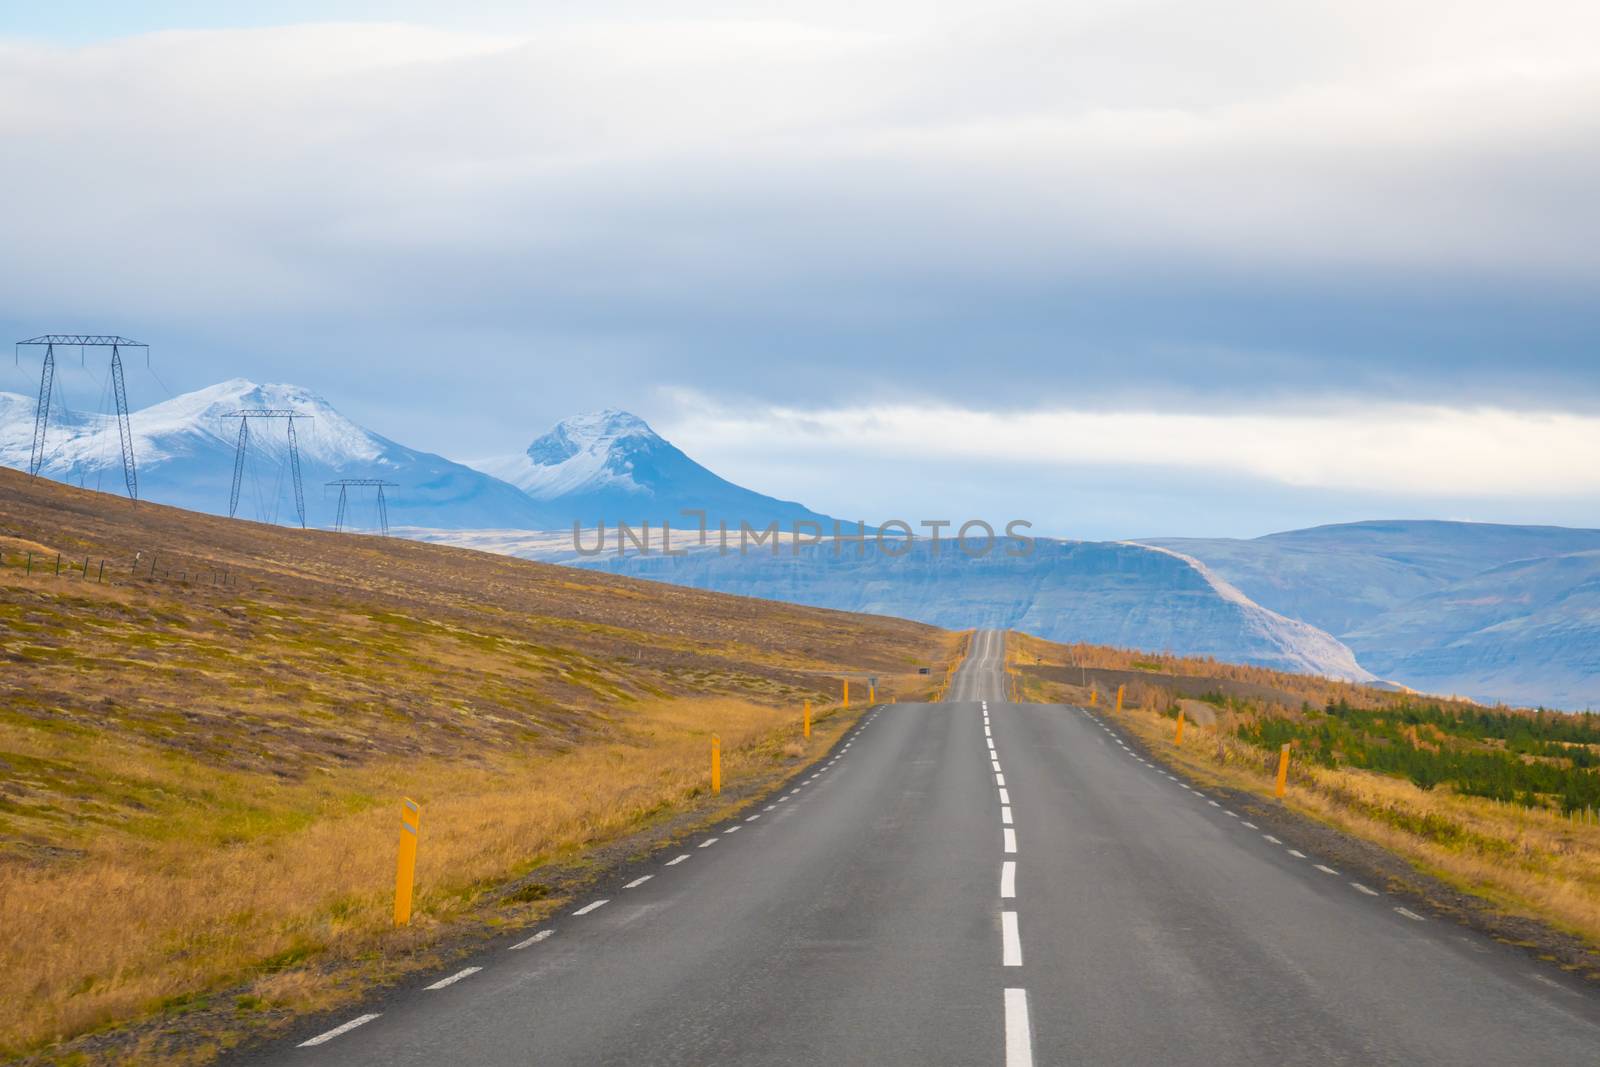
344,485
47,375
244,416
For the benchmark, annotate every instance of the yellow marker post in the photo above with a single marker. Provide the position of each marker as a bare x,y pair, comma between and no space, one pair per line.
808,718
1094,697
1178,740
847,692
406,870
1283,770
872,694
716,765
1120,688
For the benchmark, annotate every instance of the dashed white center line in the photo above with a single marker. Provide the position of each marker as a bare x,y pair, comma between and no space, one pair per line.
1008,879
999,779
587,908
1297,854
1274,840
1011,840
1005,796
732,830
1252,825
1011,941
639,881
1005,816
1408,913
1019,1034
769,807
996,765
465,972
753,818
1213,803
345,1028
1325,869
1230,814
675,862
708,842
1358,887
534,940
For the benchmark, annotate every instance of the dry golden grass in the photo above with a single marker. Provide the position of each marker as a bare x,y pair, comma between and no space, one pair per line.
1532,862
141,921
199,785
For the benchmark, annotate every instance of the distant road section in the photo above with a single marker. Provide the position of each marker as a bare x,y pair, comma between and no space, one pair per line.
978,882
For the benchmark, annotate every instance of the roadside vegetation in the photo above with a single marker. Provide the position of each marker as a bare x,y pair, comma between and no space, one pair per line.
1500,802
200,782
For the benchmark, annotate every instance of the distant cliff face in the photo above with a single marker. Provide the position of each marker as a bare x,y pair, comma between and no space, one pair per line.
1106,593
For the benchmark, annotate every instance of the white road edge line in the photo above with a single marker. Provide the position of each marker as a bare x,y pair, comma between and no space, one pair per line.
1408,913
587,908
1325,870
1011,941
345,1028
1008,879
534,940
1297,854
708,842
675,862
1274,840
639,881
1019,1034
1358,887
465,972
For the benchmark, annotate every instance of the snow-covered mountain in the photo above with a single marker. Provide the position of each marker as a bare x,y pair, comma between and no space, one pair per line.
184,451
611,466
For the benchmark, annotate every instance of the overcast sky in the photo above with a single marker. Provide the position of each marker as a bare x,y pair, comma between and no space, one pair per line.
1124,268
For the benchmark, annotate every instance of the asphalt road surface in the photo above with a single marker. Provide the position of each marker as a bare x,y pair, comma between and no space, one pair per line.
978,882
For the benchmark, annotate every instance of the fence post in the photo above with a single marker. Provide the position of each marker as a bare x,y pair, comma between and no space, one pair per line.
58,564
1178,740
406,869
30,564
102,575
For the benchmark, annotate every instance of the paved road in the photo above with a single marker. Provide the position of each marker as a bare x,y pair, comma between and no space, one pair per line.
978,882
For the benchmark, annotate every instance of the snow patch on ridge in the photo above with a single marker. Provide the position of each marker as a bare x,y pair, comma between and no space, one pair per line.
1318,651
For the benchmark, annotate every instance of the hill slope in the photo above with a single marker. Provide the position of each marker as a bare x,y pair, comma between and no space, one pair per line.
1110,593
213,757
1341,576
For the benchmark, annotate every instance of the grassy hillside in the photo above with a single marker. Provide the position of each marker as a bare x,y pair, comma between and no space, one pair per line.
1501,802
203,745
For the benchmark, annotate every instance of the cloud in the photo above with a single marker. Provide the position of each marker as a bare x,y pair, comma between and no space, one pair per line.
1418,452
1135,203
